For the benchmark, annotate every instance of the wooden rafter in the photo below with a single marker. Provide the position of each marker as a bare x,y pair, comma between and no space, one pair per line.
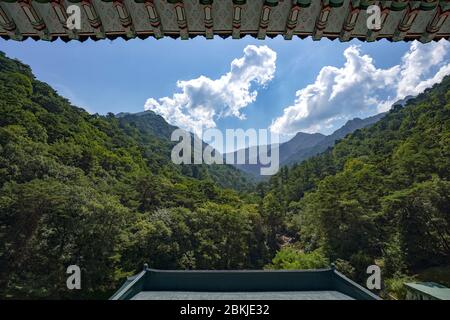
441,15
292,20
61,13
322,20
208,18
8,24
35,19
372,34
238,7
94,19
264,19
324,15
125,18
411,13
350,21
180,13
154,18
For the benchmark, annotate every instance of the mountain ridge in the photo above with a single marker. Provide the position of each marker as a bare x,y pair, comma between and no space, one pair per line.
152,126
306,145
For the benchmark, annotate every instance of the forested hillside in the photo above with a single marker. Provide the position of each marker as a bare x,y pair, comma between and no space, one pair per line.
95,191
329,141
304,146
151,130
101,192
381,195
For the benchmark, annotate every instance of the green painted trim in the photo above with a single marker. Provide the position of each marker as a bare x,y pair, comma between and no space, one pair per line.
398,6
364,4
271,3
304,3
131,287
351,288
260,280
444,6
428,6
239,2
430,289
336,3
242,281
206,2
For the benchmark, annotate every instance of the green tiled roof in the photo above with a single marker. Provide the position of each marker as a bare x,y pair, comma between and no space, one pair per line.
321,284
432,289
261,295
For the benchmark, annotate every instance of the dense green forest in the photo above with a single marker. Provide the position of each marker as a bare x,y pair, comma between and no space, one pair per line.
153,133
101,192
381,195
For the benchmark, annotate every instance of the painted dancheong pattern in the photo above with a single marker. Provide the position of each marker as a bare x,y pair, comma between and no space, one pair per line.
425,20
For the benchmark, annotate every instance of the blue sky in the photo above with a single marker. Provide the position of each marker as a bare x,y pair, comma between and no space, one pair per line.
300,85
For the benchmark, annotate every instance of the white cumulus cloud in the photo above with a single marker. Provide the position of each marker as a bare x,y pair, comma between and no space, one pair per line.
201,101
359,88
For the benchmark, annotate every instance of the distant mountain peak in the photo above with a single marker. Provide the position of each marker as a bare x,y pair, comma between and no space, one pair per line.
357,119
403,101
136,114
306,145
305,134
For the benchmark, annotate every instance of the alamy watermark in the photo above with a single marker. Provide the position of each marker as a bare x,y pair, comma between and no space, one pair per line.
74,17
74,280
373,17
374,280
263,148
